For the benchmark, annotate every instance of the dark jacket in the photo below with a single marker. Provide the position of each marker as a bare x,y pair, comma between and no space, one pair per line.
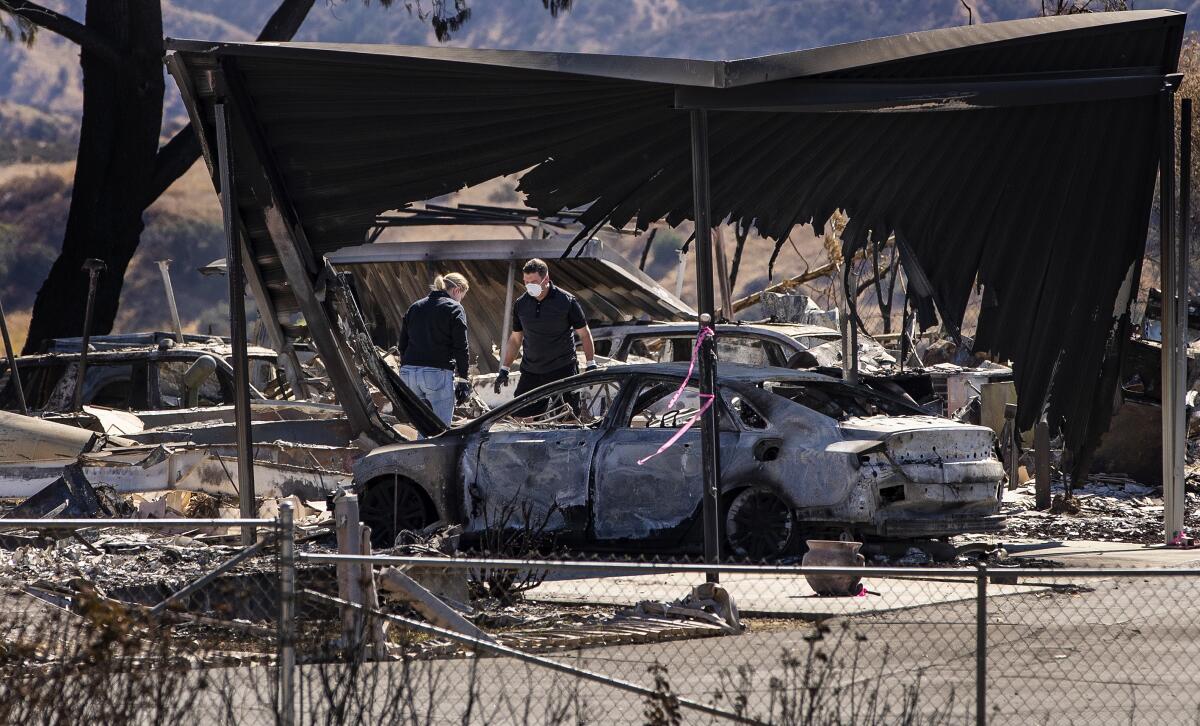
434,334
549,327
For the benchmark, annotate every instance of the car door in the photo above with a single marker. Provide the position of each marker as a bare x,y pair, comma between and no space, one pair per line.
650,501
534,462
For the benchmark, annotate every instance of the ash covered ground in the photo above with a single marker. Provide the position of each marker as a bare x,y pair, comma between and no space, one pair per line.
1108,511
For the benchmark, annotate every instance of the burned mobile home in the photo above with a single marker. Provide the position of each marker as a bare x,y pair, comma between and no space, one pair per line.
802,456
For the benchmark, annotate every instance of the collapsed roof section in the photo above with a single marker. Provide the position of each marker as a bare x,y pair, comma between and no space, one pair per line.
611,290
994,153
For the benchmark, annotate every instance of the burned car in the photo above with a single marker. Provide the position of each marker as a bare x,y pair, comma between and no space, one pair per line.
787,345
803,456
142,376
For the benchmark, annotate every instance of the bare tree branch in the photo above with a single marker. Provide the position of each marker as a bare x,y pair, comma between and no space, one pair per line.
63,26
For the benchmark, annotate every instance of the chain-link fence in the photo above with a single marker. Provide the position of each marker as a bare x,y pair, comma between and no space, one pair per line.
132,621
124,621
588,642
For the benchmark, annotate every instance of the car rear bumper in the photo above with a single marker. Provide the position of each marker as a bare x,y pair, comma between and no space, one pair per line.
941,526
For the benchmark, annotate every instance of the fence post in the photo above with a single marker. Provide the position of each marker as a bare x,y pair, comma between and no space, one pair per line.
981,645
287,615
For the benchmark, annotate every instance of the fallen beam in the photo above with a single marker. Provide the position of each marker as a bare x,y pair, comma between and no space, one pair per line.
411,593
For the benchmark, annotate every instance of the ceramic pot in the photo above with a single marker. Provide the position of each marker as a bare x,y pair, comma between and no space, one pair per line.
833,553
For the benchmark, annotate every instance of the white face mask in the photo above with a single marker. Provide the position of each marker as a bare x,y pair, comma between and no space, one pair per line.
534,289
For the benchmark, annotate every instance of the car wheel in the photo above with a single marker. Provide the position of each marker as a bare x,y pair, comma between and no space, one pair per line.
759,525
391,505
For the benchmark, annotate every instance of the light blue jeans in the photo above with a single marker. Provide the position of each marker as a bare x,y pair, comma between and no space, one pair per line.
434,386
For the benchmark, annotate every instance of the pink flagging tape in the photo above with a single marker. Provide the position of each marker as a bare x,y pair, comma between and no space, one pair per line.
707,398
705,332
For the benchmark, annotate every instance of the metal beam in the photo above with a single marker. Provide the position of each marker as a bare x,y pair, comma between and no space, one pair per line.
296,258
723,275
237,324
1173,345
506,327
839,96
710,449
164,268
266,313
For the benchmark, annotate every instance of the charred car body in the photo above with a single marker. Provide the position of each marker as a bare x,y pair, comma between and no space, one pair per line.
787,345
129,373
803,455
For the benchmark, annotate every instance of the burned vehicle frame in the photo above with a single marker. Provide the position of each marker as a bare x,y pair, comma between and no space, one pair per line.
803,456
140,377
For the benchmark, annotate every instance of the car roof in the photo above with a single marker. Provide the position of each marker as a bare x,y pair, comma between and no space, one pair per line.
144,353
791,329
726,372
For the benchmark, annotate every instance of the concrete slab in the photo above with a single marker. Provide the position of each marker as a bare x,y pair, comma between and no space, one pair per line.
769,596
1083,553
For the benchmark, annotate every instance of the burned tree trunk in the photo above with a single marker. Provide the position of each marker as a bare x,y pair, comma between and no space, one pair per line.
118,143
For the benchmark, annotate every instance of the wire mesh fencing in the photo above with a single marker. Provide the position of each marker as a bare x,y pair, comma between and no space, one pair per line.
139,621
499,641
129,621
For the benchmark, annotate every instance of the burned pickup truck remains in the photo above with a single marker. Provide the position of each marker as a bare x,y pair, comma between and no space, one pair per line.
802,456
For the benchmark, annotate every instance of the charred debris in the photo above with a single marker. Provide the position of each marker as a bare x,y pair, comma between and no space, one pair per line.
822,431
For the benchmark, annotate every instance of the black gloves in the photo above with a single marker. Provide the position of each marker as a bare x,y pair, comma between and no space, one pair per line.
462,392
502,379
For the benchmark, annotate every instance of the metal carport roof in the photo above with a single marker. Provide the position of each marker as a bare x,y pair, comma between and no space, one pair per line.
1019,155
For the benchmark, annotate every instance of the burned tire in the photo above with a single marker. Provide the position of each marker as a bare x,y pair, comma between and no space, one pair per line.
759,525
391,505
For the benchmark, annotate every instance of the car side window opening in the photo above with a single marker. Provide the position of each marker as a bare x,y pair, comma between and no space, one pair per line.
104,384
581,407
652,407
748,351
746,413
730,349
175,392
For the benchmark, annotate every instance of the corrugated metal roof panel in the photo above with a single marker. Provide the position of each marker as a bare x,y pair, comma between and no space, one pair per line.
1020,199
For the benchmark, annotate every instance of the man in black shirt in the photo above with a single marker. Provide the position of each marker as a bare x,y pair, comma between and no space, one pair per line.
433,344
546,320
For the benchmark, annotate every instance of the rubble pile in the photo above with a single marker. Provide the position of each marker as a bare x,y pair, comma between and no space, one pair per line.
1111,509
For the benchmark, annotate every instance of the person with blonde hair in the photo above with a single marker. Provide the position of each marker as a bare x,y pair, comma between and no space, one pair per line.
433,346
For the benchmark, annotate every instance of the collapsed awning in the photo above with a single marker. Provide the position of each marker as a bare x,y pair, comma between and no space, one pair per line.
394,274
1020,156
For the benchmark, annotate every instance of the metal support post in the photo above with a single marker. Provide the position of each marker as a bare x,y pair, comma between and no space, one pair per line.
709,436
723,276
164,268
1173,344
237,324
287,615
1041,456
13,374
349,577
506,333
1179,361
981,646
848,330
93,267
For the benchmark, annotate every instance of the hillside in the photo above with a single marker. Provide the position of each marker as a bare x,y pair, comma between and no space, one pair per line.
40,99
